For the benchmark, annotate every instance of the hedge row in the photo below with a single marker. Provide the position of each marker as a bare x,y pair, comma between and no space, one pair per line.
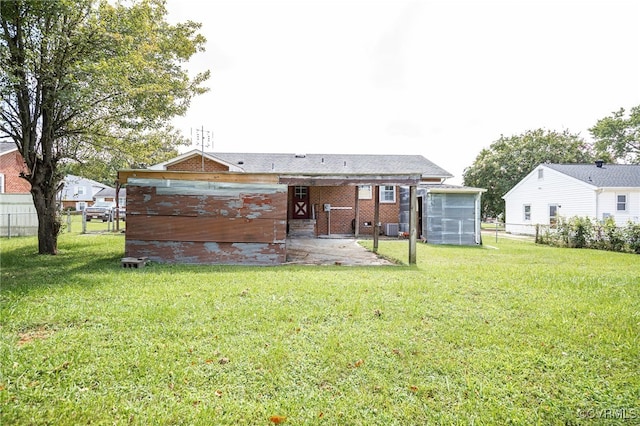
583,232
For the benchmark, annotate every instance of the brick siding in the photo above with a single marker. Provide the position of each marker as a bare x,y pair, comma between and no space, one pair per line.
194,164
11,165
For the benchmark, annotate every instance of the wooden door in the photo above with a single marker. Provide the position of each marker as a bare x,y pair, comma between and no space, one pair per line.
301,207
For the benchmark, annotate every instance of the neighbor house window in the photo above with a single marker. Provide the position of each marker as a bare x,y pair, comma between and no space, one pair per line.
527,212
540,173
387,194
1,183
364,192
621,202
553,215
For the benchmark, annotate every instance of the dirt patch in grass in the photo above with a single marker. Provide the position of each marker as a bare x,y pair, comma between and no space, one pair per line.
38,333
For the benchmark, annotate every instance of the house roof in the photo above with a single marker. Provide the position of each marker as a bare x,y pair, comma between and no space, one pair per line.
6,147
609,175
332,164
444,188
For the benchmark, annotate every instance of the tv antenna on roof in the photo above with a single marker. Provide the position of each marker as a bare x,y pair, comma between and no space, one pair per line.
204,137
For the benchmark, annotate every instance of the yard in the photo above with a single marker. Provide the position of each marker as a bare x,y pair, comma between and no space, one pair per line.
515,334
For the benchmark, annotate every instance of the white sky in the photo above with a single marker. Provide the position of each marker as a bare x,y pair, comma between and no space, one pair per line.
443,79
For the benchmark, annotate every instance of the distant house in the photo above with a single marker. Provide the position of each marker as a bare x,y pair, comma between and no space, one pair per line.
17,212
11,165
78,192
595,190
241,207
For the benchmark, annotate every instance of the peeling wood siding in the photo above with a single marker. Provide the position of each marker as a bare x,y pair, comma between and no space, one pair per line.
218,229
230,225
208,252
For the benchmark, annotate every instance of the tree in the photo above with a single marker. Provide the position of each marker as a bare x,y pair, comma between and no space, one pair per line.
509,159
155,147
85,80
618,136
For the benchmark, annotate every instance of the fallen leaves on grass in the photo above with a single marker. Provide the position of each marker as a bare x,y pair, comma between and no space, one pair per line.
277,419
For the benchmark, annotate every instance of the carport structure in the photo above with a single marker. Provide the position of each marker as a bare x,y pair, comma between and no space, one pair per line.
241,215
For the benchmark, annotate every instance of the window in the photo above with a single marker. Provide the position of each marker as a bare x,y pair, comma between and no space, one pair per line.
527,212
300,192
364,192
553,215
80,190
621,202
540,173
387,194
1,183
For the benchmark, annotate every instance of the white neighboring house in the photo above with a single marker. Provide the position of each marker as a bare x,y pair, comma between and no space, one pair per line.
78,192
595,190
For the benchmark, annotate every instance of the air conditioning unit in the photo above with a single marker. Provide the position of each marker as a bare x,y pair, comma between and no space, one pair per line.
392,229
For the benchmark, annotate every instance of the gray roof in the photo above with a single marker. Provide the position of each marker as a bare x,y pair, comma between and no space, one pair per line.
333,164
6,147
609,175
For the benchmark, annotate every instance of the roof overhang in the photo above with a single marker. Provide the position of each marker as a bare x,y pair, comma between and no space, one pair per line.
273,178
349,180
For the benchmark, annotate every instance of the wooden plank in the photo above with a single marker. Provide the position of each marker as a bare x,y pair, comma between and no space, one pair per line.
205,229
144,200
238,177
208,252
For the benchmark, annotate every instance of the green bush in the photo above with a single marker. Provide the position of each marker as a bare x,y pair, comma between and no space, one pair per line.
583,232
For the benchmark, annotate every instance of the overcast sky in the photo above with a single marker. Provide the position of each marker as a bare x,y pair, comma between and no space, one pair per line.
443,79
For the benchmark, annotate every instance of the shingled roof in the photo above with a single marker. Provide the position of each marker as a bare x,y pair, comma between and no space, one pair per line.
332,164
609,175
7,147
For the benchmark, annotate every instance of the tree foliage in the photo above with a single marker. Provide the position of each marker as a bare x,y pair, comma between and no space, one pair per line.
509,159
618,136
89,82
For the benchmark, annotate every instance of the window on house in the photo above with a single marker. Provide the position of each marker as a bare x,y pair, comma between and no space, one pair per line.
80,190
527,212
387,194
553,215
1,183
621,202
540,173
364,192
300,192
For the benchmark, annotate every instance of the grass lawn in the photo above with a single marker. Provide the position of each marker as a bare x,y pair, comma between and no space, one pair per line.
521,334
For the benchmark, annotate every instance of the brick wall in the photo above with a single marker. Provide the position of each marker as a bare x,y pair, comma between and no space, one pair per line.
194,164
11,165
341,220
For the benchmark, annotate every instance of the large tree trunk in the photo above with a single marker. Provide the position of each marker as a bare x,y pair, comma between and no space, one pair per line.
43,191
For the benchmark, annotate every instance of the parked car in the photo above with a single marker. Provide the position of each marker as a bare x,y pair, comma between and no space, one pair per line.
100,210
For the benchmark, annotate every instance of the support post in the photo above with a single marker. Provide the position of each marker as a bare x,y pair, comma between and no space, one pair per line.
376,218
413,227
356,228
117,212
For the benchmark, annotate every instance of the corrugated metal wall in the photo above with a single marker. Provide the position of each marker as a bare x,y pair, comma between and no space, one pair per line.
206,222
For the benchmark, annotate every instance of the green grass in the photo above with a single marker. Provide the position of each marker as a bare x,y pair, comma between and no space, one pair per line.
521,334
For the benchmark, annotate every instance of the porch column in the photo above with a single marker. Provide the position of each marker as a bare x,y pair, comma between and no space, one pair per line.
376,217
356,228
413,231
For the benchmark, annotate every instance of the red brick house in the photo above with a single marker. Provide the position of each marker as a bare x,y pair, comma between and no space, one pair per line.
17,214
308,197
11,165
240,207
